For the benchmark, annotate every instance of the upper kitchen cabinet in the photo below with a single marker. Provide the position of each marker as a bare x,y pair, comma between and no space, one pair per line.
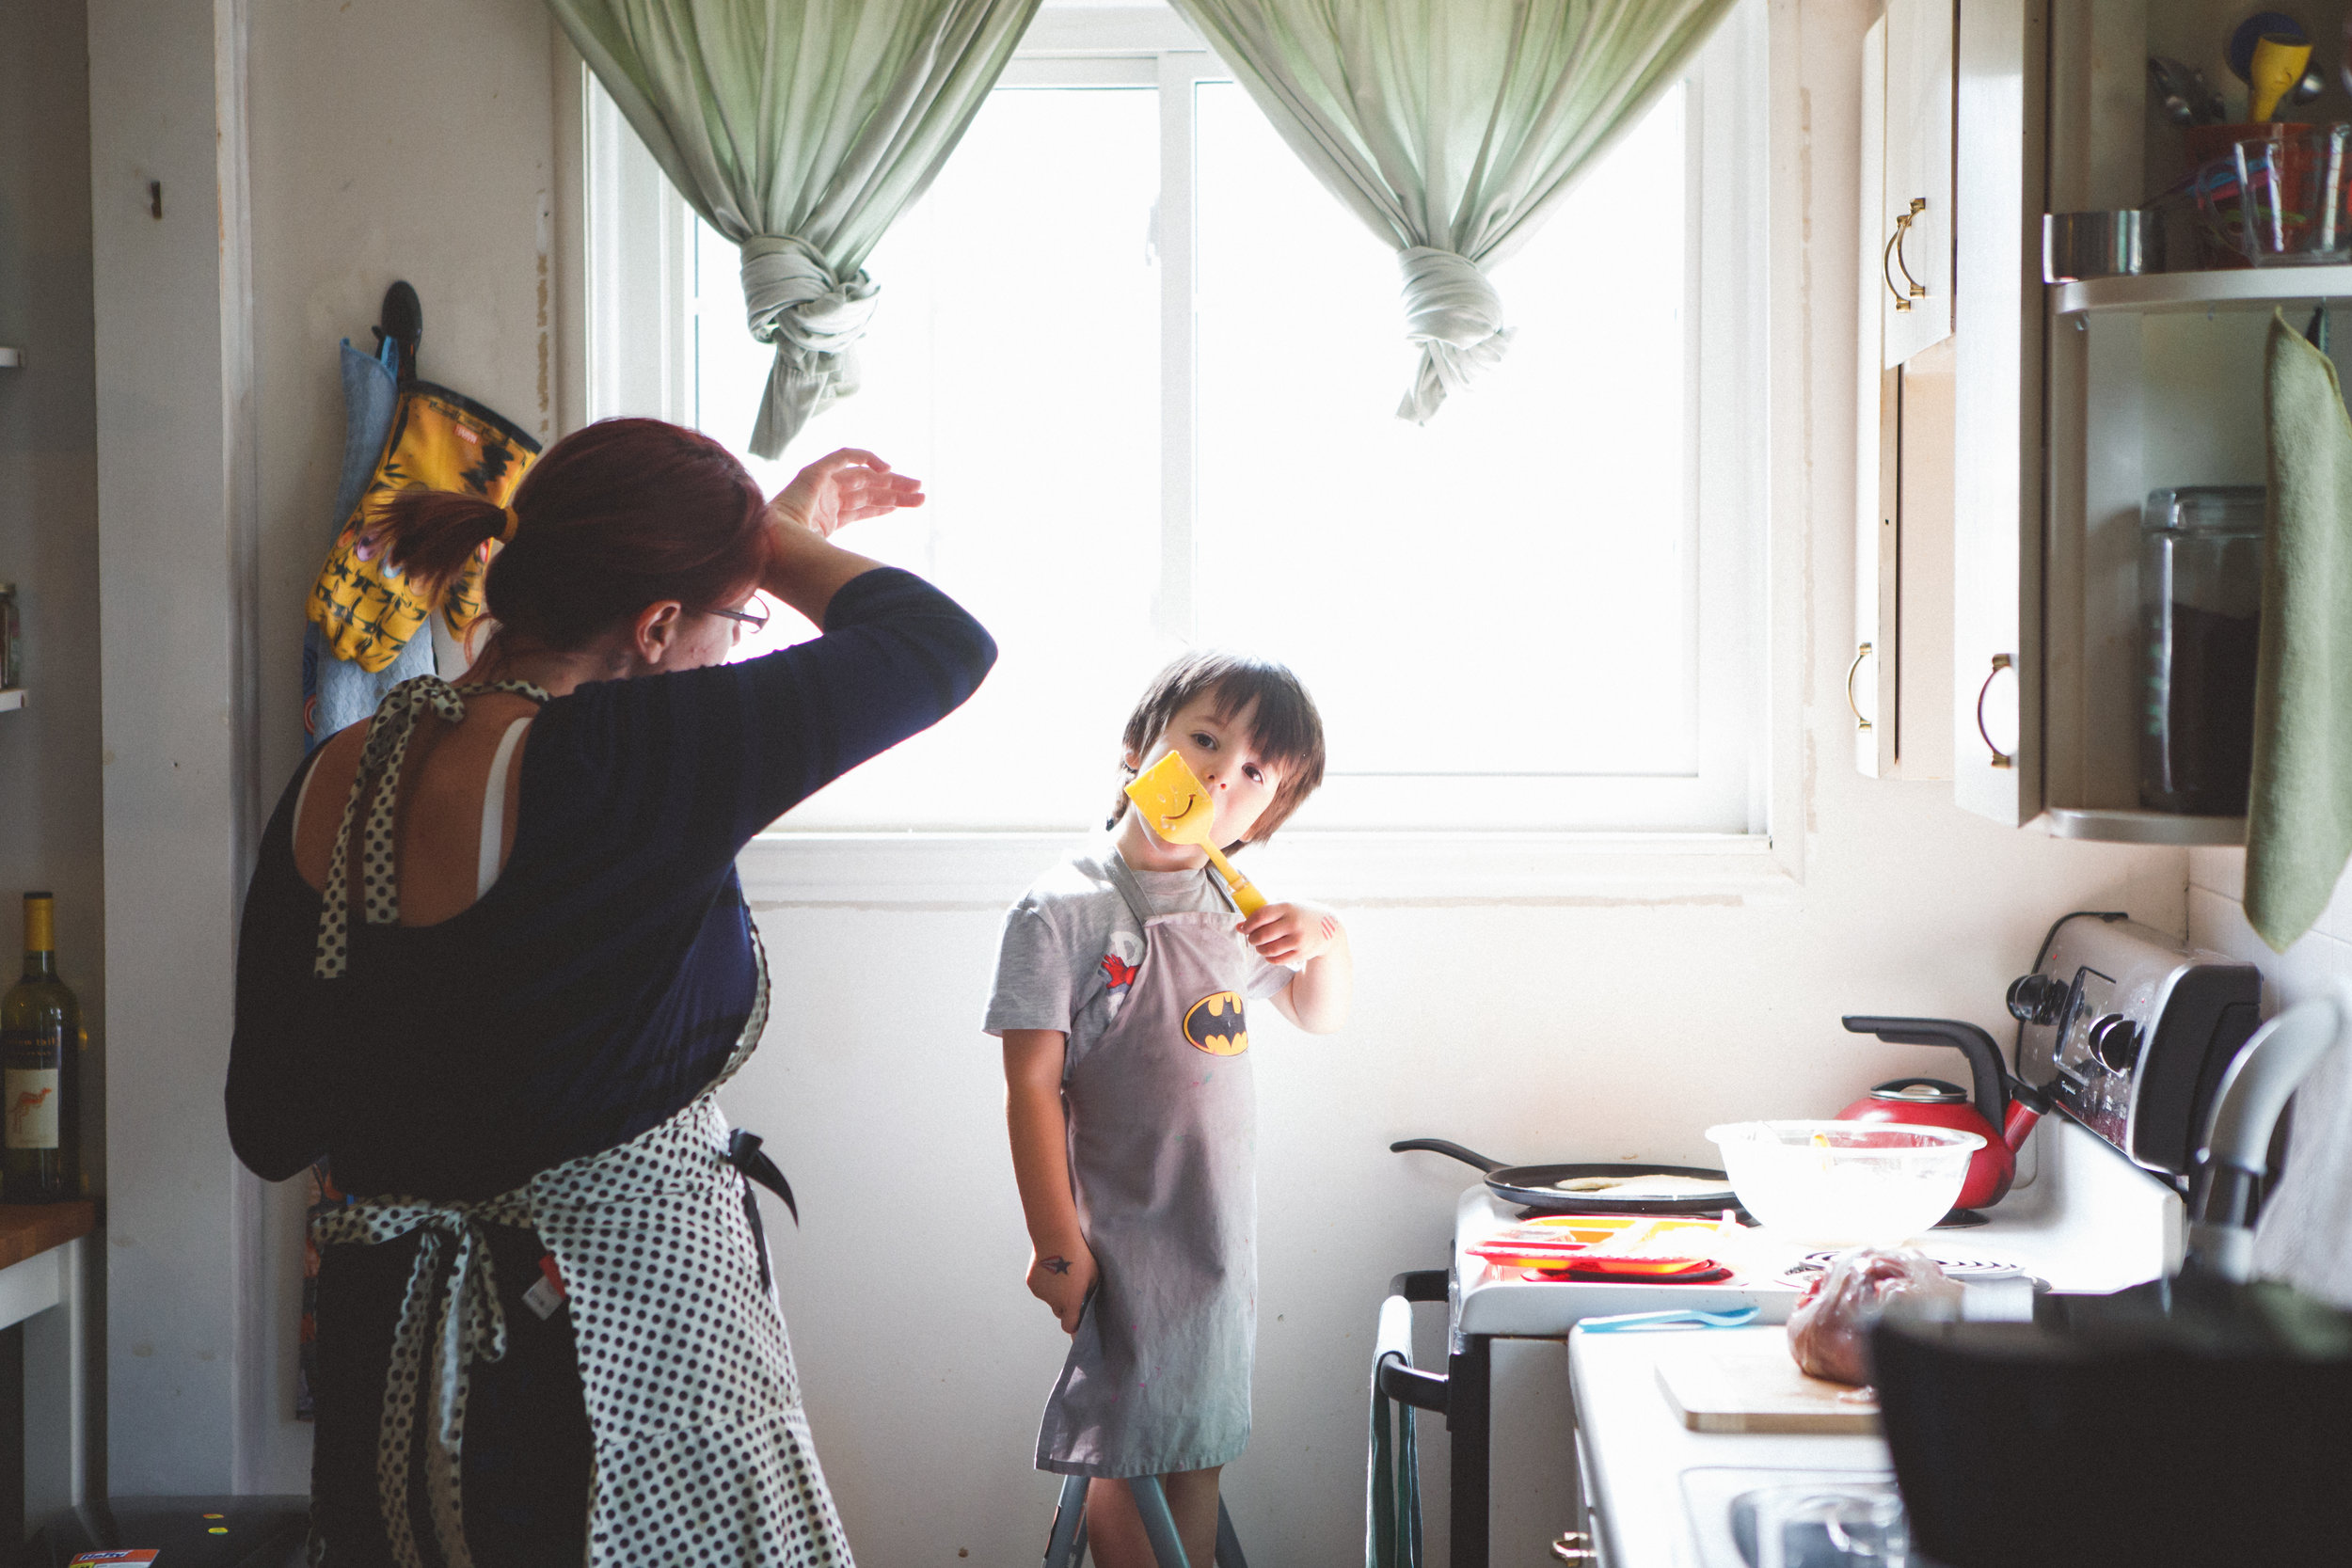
2108,446
1899,678
1914,217
1998,485
1870,701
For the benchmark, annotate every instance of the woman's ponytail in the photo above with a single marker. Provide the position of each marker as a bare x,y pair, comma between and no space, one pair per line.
433,536
617,516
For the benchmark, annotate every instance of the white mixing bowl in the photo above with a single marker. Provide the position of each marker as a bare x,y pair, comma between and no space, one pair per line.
1845,1183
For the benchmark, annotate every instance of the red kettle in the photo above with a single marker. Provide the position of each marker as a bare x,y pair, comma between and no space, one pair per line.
2003,1110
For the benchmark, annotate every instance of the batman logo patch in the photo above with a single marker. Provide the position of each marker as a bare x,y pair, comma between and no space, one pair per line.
1214,1025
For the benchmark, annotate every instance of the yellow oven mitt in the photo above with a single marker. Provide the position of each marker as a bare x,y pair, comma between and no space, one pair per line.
439,441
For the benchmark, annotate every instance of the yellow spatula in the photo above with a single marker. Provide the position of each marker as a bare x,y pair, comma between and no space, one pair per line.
1178,807
2279,63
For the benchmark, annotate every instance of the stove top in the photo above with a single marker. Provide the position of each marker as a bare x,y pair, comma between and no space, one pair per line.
1723,1502
2085,1220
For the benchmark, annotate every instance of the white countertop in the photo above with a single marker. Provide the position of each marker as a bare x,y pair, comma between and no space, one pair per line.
1641,1462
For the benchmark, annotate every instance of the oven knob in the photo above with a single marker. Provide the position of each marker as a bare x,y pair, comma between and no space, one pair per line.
2115,1040
2036,999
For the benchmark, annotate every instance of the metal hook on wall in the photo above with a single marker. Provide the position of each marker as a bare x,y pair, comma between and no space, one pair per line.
401,323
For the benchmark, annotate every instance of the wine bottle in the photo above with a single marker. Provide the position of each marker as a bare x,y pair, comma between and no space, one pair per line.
41,1031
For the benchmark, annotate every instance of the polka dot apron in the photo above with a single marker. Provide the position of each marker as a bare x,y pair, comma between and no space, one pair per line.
703,1452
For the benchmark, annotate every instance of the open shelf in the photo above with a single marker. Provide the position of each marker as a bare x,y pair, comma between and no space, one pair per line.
2118,825
2249,288
28,1229
12,697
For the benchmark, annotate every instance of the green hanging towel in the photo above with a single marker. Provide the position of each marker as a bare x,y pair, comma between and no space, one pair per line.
2298,831
1393,1477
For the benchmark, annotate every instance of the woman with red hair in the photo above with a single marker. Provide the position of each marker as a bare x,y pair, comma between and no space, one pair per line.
495,965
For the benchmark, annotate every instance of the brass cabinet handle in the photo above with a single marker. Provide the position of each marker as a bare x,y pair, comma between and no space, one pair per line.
1851,670
1891,259
1902,227
1886,269
2000,758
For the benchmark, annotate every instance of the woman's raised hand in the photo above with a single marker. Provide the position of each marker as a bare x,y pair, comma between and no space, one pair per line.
842,488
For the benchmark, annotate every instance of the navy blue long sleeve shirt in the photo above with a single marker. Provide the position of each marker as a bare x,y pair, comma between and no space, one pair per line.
601,983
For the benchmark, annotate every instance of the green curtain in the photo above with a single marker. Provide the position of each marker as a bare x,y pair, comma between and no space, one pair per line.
1452,127
800,129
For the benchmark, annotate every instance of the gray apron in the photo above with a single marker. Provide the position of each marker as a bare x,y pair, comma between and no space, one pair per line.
1163,1137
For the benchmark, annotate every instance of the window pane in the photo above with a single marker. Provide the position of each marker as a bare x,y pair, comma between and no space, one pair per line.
1013,365
1509,589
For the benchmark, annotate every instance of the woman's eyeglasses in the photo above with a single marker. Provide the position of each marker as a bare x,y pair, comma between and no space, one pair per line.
753,616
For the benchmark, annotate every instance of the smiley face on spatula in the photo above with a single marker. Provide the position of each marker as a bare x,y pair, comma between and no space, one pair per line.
1175,805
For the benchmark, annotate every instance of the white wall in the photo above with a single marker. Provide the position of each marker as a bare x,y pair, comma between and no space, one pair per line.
1595,1022
174,538
2216,919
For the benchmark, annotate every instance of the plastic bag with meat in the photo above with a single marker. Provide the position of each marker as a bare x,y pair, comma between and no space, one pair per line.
1829,1333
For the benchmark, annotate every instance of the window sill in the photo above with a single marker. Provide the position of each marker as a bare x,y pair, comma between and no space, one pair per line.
1352,870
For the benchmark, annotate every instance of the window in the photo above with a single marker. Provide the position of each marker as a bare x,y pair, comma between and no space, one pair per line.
1147,369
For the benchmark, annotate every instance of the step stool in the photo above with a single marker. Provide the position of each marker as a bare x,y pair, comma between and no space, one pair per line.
1066,1547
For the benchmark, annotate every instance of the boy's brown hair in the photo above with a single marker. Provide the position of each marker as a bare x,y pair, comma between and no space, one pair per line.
1286,729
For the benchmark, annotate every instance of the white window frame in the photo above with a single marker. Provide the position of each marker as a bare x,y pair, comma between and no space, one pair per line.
637,288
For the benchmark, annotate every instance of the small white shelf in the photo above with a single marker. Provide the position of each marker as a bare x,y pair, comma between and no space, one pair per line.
2248,289
2116,826
12,697
10,358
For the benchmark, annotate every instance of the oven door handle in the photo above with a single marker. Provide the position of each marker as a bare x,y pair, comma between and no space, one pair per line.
1408,1386
1420,1283
1462,1394
1393,1346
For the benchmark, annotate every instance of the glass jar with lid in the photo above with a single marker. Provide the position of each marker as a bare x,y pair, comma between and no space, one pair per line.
2200,566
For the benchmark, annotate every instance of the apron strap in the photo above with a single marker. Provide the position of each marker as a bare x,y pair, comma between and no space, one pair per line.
1123,879
1129,889
745,1154
449,1318
380,760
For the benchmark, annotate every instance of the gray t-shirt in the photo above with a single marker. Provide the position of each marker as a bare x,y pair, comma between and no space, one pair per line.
1071,947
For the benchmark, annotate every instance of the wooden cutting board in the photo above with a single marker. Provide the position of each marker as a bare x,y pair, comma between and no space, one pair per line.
1745,1380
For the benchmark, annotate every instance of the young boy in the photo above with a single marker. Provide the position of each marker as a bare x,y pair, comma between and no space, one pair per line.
1119,994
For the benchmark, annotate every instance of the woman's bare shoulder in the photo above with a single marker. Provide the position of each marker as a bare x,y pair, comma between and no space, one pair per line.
319,812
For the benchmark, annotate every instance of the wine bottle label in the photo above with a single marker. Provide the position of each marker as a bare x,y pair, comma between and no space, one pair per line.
30,1063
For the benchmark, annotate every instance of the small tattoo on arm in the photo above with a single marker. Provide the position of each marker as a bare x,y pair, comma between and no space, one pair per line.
1055,1264
1330,928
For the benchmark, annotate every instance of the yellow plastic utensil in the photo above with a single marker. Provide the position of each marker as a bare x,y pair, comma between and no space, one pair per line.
2278,64
1178,807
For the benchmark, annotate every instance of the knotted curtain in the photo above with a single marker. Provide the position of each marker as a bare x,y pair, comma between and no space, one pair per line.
800,130
1452,127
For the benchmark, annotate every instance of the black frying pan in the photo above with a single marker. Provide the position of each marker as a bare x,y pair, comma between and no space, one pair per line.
1537,1186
